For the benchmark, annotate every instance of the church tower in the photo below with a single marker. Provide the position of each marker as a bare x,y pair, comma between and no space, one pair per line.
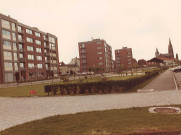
156,53
170,49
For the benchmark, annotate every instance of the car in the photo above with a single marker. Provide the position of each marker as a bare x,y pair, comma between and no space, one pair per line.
63,74
177,69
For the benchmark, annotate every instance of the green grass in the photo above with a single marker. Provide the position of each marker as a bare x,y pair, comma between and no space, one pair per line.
124,121
24,91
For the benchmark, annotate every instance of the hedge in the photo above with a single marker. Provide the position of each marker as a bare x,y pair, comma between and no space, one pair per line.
107,86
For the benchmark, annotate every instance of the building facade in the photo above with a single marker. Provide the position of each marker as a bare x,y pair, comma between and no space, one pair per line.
26,52
124,58
170,53
95,54
72,68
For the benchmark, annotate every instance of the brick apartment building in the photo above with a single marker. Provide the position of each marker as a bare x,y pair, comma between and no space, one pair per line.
26,52
124,58
95,54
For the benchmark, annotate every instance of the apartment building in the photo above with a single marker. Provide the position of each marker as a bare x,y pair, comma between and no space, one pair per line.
26,52
124,58
95,54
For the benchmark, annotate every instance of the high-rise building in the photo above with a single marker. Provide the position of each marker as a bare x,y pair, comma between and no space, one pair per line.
95,54
124,58
26,52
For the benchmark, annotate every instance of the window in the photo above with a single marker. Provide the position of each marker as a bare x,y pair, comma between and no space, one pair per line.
51,39
39,66
7,45
30,40
15,66
19,29
13,26
38,42
38,50
31,65
14,47
20,46
15,56
8,66
6,34
45,44
83,61
44,37
99,47
29,48
30,57
21,65
39,58
100,58
5,24
99,52
7,55
20,55
37,34
20,38
99,42
52,46
14,36
46,66
82,46
100,63
29,31
8,77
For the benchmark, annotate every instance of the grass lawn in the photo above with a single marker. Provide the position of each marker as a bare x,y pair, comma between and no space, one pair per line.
111,122
24,91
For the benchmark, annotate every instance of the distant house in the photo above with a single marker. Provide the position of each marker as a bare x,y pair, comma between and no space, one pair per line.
71,68
142,62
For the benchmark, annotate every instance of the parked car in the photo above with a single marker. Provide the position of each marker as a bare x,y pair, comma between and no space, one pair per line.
177,69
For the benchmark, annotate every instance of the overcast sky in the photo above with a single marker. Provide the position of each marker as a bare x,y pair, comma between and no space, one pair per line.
142,25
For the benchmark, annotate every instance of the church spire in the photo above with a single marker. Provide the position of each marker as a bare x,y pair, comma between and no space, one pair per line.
157,52
170,49
170,42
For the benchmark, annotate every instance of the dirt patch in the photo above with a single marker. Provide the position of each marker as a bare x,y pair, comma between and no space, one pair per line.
166,110
152,133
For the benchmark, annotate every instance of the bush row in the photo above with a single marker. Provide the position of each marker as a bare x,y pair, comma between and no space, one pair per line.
107,86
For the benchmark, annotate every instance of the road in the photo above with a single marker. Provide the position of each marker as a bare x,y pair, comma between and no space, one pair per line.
165,81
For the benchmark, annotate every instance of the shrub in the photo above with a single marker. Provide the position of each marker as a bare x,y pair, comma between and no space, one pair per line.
103,86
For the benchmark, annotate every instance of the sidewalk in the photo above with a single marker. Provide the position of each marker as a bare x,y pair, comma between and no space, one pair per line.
165,81
178,79
14,111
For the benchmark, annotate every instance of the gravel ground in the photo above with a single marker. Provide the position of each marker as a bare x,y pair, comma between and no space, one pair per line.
14,111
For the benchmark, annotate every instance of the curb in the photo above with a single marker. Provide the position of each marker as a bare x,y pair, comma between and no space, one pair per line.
175,82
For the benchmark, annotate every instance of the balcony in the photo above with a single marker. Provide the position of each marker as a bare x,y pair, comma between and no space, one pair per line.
21,32
22,59
82,52
47,54
47,46
47,61
21,50
22,69
21,40
83,57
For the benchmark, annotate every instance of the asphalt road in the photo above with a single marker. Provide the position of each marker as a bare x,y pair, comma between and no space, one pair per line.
165,81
